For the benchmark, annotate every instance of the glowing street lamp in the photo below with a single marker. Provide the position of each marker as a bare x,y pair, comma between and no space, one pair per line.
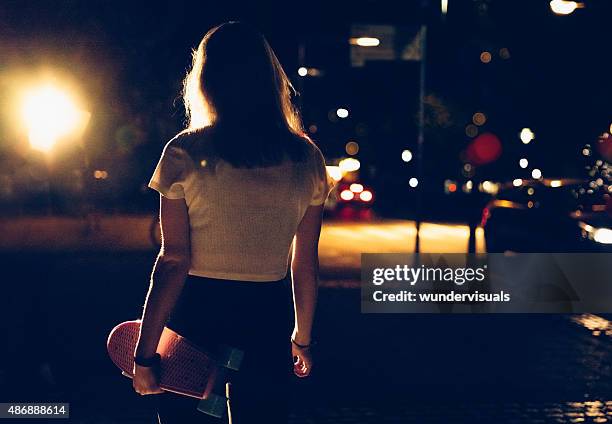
564,7
49,114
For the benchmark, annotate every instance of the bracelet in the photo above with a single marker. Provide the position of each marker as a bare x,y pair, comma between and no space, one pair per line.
301,346
147,362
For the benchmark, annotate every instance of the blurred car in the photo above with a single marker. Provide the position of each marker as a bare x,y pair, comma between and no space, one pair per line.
350,200
548,215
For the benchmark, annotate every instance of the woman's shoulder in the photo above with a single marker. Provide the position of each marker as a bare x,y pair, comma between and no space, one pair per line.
193,142
314,152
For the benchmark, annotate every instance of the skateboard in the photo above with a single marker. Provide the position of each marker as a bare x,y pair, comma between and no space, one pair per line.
184,368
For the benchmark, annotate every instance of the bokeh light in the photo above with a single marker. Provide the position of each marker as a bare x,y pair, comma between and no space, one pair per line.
349,165
536,174
485,148
334,172
366,196
406,155
356,188
479,119
485,57
351,148
413,182
564,7
365,41
347,195
526,135
342,113
471,130
523,163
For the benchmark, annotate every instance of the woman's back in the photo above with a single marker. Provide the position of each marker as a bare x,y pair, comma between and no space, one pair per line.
242,220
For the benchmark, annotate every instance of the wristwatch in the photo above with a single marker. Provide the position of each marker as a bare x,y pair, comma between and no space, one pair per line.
147,362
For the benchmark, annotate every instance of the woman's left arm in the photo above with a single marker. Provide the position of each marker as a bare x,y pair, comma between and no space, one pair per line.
167,281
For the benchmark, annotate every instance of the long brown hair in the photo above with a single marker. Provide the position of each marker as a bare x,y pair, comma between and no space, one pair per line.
238,92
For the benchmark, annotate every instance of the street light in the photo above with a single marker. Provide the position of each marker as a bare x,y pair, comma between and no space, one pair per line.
49,114
564,7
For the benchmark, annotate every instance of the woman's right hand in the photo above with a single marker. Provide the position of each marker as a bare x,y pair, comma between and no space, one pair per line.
302,360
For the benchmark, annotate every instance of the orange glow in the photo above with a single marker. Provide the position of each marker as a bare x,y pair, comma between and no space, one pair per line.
485,57
452,187
479,118
352,148
100,174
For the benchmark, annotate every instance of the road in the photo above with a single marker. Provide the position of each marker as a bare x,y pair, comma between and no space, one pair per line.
342,243
371,368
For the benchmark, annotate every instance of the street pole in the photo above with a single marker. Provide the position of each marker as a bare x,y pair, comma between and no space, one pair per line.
421,136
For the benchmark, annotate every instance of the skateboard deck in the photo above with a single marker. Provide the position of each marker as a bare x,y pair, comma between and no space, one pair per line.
184,368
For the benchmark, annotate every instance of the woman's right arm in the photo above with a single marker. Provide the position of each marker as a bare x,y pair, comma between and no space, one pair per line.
305,273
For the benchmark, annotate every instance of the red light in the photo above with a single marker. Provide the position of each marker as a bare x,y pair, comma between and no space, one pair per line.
485,148
485,217
452,187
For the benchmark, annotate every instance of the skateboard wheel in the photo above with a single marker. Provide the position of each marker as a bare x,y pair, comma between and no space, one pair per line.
213,405
230,357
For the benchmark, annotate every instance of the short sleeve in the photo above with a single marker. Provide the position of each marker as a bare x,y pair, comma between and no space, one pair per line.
323,182
169,175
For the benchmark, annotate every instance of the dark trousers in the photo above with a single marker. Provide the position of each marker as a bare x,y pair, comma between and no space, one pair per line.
252,316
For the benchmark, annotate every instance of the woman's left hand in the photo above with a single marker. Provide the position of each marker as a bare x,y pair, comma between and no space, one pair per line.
145,380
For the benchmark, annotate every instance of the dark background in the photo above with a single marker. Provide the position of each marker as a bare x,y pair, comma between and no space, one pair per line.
128,60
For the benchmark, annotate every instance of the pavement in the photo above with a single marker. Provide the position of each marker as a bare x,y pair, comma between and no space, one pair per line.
371,368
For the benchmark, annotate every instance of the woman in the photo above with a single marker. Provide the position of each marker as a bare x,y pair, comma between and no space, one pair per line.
241,200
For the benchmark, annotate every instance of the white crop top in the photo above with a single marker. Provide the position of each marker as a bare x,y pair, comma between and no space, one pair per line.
242,221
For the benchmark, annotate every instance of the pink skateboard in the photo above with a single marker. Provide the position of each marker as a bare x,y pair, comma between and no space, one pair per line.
184,368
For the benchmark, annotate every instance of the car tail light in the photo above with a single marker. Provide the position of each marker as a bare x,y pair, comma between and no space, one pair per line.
366,196
347,195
